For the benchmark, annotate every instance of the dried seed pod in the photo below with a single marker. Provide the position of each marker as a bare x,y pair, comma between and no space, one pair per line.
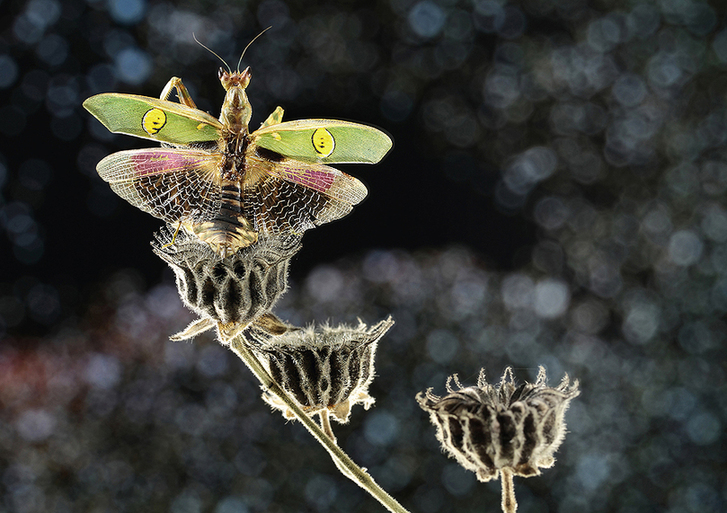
502,429
230,292
487,428
322,368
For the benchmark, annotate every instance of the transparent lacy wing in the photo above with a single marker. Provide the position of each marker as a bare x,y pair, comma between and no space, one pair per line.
171,184
285,195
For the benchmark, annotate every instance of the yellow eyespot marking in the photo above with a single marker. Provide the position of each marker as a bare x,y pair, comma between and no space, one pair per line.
201,126
153,121
323,142
276,136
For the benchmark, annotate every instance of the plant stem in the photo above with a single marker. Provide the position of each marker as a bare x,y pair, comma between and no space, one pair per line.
509,503
340,458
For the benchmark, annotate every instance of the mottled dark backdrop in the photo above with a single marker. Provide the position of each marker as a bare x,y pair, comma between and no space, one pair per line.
555,196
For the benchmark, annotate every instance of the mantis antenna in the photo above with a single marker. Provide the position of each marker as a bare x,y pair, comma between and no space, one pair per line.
229,70
213,53
248,46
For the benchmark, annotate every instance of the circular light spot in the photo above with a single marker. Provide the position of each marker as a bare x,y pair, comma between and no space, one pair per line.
35,425
529,168
685,248
458,481
127,11
488,16
604,34
701,19
664,70
643,20
501,88
212,361
629,90
641,322
442,346
517,291
551,213
321,492
704,429
551,298
133,66
102,371
325,283
426,19
381,428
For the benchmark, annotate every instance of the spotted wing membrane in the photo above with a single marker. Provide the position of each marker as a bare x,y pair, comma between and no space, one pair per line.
170,184
283,195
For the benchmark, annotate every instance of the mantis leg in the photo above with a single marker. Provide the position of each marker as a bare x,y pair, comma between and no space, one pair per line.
175,83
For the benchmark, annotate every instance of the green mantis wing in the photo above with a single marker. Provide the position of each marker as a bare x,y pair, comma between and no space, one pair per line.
326,141
151,118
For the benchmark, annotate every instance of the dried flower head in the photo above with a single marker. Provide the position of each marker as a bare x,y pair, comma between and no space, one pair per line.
230,292
323,369
501,429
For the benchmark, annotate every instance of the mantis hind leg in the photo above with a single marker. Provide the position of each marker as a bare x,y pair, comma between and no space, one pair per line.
174,237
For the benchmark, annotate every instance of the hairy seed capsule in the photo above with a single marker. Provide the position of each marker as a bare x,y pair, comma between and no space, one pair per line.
489,429
233,291
323,368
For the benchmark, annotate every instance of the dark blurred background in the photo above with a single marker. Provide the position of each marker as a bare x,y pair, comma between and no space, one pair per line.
555,196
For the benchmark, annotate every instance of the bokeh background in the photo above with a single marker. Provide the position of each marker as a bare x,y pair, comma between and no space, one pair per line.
556,197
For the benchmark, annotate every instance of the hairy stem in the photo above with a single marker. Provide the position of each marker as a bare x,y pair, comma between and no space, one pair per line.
340,458
509,504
